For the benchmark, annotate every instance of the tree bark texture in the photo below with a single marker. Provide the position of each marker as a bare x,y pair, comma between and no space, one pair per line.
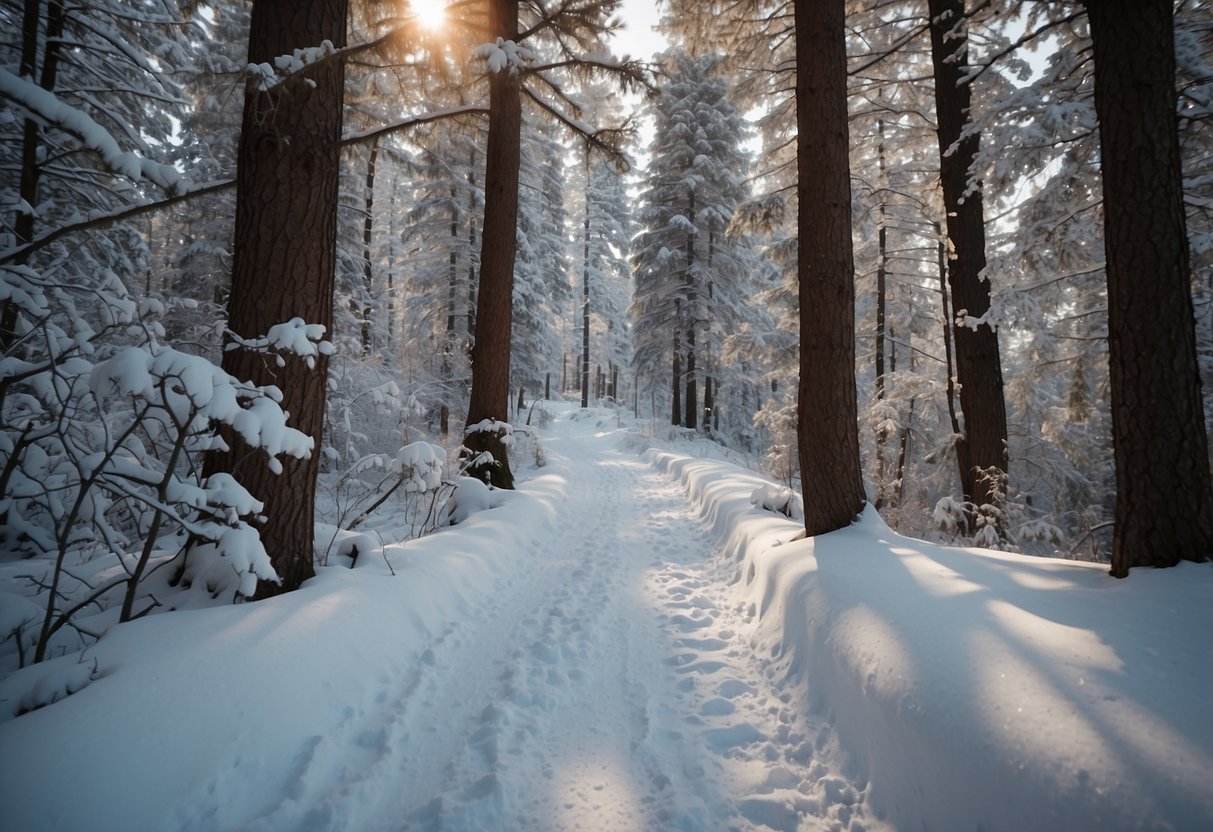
31,139
585,290
368,236
1164,500
494,301
982,448
284,261
691,404
827,427
881,292
676,370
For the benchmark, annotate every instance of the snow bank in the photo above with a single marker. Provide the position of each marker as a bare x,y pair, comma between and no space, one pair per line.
233,717
976,689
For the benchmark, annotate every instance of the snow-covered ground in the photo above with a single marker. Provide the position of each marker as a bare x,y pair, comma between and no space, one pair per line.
627,643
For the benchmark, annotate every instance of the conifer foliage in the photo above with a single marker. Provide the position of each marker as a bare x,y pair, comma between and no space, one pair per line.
692,277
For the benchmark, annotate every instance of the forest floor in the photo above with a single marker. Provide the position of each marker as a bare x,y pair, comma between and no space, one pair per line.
610,686
625,643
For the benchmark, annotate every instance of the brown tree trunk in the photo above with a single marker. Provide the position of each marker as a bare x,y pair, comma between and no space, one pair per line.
31,142
676,387
828,427
448,347
961,449
881,291
473,283
978,365
368,229
285,255
494,303
691,403
585,290
692,399
1164,500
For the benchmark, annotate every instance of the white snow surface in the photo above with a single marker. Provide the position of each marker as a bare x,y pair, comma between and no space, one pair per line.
628,643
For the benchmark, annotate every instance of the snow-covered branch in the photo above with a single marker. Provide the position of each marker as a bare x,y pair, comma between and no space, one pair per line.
47,107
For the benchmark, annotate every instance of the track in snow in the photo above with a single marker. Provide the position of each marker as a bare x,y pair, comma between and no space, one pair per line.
610,687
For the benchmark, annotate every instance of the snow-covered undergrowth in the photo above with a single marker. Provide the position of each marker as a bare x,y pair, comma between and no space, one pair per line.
581,652
190,717
975,689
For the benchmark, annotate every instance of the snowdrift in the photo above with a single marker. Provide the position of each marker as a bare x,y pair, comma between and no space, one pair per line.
240,717
976,689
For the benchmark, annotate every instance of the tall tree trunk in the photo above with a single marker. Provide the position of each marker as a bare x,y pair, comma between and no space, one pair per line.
448,347
978,365
495,298
676,387
473,283
391,265
585,290
284,261
31,142
827,428
368,228
1164,499
692,398
691,403
881,291
962,449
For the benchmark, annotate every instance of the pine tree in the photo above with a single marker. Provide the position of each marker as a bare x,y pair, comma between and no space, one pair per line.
1164,498
285,257
570,36
541,277
443,262
981,450
827,432
603,249
688,270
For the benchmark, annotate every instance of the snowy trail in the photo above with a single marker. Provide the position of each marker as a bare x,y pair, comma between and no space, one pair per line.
587,656
607,688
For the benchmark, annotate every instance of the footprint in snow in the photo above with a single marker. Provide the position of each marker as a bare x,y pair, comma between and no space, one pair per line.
732,688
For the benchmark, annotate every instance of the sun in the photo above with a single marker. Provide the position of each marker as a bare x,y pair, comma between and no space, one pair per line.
430,14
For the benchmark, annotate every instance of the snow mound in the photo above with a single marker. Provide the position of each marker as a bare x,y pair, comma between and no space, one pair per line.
471,496
778,498
977,689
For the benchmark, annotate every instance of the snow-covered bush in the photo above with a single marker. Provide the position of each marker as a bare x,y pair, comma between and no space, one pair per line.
415,473
780,499
527,449
776,422
471,496
102,431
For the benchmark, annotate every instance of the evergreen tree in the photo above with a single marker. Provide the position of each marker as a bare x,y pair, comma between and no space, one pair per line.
285,256
827,428
604,245
981,449
1164,498
443,258
571,36
541,277
689,272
